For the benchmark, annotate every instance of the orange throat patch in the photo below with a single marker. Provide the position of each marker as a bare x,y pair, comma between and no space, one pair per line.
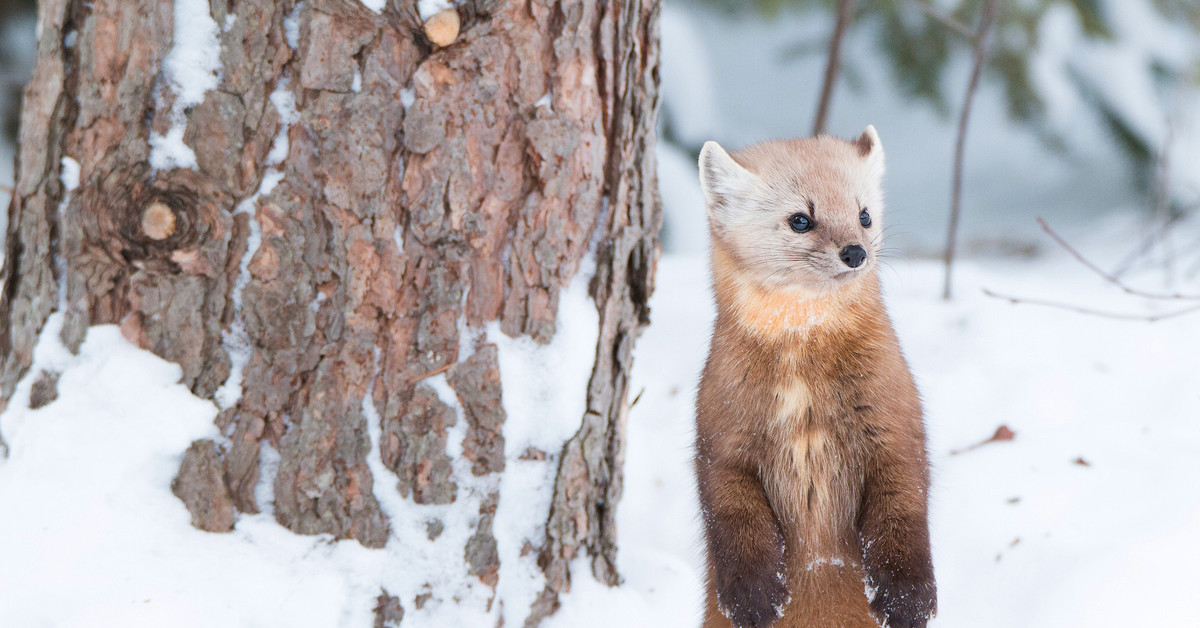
783,311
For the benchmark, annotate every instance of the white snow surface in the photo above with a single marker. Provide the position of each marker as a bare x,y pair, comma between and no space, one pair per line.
291,26
285,103
170,151
191,69
428,8
192,65
375,5
69,174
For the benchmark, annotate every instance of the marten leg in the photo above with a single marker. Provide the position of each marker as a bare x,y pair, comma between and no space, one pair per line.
745,547
894,530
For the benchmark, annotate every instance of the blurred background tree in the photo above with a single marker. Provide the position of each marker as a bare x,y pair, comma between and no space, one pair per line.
919,48
17,21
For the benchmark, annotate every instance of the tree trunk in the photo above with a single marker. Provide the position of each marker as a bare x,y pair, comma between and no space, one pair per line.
329,221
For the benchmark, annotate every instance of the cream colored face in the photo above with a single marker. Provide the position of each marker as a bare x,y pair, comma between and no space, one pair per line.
791,213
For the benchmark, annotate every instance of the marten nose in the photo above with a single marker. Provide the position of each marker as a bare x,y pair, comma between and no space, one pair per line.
853,255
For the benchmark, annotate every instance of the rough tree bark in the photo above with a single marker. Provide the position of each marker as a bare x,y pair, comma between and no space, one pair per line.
362,204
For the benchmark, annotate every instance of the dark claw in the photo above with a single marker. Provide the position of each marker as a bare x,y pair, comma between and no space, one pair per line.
752,600
904,603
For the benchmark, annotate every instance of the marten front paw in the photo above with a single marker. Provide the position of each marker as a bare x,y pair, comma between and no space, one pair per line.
752,599
902,602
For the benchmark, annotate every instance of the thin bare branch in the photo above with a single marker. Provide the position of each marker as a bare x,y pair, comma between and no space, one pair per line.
945,19
1194,269
833,64
1149,318
1110,278
1148,242
436,371
980,56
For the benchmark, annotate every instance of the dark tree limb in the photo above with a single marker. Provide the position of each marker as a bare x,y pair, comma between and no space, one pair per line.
833,64
979,56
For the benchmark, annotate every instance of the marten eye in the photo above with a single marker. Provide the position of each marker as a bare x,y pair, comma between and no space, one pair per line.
864,218
800,223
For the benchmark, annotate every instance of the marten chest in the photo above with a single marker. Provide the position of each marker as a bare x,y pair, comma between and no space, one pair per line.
815,470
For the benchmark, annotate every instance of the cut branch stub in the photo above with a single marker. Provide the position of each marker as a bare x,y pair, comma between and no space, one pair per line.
158,221
134,216
442,27
170,294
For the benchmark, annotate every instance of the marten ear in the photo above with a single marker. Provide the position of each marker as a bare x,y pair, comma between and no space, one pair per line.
722,179
871,149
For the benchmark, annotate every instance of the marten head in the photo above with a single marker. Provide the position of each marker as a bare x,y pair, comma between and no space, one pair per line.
798,215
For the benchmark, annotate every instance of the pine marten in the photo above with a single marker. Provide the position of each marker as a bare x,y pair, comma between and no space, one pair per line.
810,441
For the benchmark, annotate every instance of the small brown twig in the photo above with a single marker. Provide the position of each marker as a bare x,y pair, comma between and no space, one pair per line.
1002,434
1149,318
979,45
7,189
437,371
945,19
1109,277
833,64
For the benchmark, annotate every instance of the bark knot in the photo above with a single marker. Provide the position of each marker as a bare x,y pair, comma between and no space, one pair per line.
442,27
158,221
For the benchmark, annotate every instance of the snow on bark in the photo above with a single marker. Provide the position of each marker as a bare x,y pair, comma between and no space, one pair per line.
191,69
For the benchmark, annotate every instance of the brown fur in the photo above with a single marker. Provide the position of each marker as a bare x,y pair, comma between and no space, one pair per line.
810,451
